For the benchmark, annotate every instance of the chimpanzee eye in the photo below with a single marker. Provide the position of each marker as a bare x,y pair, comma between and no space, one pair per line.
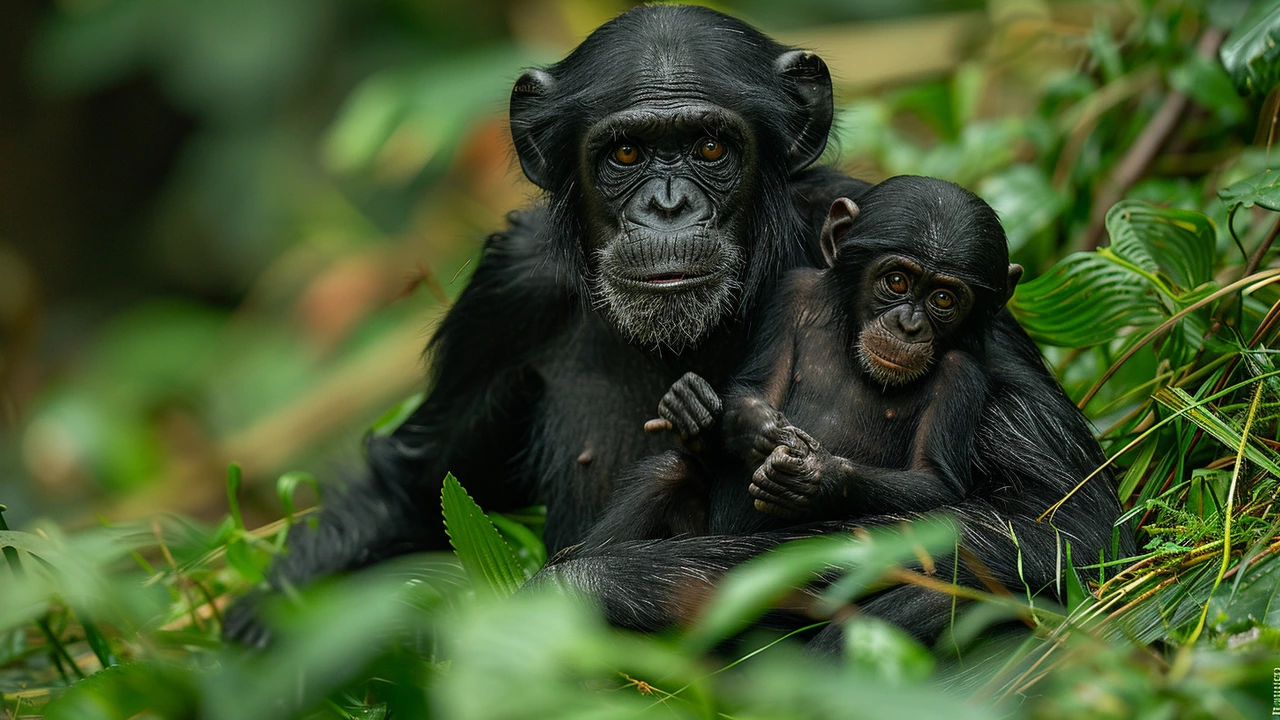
943,300
710,150
897,282
626,154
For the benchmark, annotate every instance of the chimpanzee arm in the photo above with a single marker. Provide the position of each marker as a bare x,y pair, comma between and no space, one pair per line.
802,480
471,424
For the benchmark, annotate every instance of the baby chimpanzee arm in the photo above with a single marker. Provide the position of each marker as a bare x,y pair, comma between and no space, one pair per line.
804,481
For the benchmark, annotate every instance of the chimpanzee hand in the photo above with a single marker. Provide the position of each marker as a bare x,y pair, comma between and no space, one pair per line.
689,408
788,480
753,428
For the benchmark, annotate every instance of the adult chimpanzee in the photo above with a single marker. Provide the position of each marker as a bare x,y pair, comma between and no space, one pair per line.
672,145
885,359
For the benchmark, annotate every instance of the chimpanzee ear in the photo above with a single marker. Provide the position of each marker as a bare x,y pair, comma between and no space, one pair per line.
809,83
530,89
1015,274
839,219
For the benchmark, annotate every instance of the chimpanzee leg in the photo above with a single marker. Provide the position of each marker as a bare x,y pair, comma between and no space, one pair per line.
658,497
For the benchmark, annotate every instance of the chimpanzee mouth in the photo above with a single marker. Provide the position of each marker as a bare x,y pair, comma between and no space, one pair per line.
890,361
670,281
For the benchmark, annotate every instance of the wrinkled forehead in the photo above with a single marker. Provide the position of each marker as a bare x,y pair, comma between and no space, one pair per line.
974,262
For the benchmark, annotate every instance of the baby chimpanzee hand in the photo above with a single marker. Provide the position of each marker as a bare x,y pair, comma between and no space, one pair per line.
787,481
689,408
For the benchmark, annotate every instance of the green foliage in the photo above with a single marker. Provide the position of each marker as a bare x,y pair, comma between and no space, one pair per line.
1250,51
486,556
1159,330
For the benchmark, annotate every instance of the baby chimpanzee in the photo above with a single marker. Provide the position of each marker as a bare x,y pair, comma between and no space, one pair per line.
881,359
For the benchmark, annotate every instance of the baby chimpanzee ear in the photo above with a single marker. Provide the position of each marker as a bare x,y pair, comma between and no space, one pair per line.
839,219
1015,274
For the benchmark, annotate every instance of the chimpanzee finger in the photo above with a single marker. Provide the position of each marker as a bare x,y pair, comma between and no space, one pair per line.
692,402
786,460
673,410
806,438
760,495
779,485
776,510
706,395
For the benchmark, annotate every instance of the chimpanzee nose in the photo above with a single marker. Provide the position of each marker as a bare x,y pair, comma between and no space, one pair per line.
914,325
669,202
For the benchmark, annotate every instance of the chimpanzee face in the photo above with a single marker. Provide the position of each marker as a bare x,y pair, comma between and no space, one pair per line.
922,266
666,143
908,315
663,196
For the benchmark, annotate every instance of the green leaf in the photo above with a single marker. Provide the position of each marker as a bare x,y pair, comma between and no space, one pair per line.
1177,399
1076,594
234,479
487,558
1262,189
1084,300
287,487
126,691
529,548
750,589
1251,52
1026,201
405,118
1210,86
884,651
1160,259
393,418
1177,243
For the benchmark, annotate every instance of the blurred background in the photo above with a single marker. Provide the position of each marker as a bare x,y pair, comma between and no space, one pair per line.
227,226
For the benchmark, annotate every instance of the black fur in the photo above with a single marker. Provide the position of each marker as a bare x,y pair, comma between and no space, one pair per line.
985,434
537,393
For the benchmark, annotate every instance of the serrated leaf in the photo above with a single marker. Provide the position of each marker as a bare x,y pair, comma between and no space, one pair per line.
1251,52
488,560
1262,190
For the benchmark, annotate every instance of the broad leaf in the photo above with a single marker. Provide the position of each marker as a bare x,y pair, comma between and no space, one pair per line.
1251,52
1262,189
752,588
487,558
1160,260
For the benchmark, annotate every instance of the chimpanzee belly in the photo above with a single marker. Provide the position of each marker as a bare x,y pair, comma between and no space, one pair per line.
834,401
589,426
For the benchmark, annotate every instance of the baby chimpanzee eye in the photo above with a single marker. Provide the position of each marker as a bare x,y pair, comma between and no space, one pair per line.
897,282
943,300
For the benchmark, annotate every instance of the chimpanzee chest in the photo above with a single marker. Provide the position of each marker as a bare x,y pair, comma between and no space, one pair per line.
589,426
832,399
